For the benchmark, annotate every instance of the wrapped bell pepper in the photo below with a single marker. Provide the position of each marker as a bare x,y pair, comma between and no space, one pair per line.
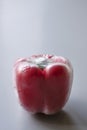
43,82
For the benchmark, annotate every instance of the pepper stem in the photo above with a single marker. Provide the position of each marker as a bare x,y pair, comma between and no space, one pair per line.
41,62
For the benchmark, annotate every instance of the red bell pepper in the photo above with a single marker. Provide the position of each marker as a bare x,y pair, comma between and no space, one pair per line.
43,82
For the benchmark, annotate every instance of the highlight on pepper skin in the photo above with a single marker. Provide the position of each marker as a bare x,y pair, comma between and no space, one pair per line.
43,82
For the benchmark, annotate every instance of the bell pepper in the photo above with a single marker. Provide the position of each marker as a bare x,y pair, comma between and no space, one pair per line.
43,82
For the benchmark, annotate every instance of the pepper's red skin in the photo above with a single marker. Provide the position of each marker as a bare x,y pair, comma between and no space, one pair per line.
43,90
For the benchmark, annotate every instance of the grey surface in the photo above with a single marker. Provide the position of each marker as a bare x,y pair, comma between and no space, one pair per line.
43,26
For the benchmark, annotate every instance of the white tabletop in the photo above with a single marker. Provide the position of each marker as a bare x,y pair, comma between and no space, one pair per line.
43,26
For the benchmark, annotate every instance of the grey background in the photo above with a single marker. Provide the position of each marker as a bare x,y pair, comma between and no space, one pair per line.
43,26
